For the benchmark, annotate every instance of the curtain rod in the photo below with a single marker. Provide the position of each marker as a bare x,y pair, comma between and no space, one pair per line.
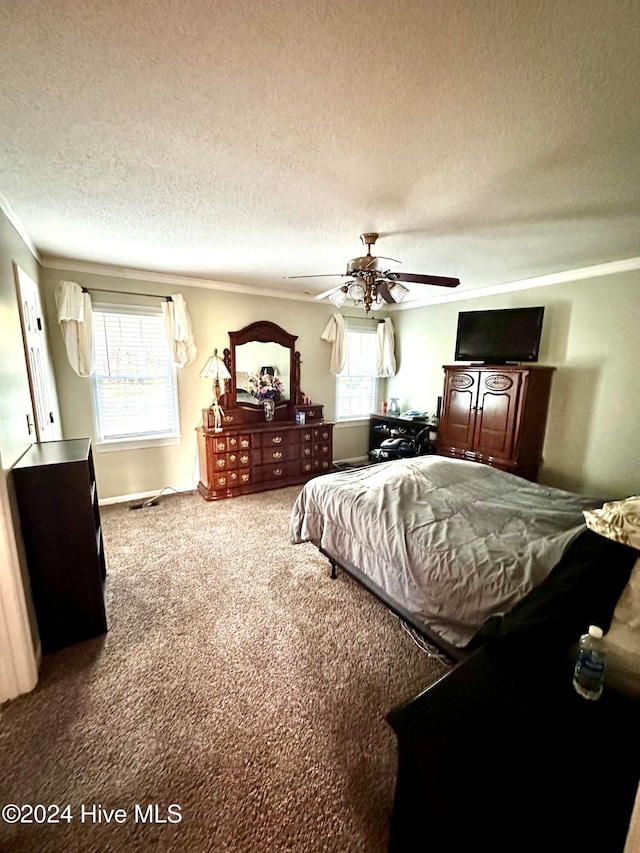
125,293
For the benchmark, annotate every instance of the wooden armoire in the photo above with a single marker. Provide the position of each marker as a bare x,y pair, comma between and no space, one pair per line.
496,415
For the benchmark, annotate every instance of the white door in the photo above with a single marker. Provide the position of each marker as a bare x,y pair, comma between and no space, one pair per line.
43,395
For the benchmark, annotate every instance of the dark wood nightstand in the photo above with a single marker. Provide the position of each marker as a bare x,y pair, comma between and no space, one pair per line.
492,757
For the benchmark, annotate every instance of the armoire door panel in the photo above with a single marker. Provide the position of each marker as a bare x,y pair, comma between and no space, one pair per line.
496,416
458,420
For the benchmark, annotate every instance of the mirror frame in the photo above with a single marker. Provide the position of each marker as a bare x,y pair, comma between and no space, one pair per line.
265,332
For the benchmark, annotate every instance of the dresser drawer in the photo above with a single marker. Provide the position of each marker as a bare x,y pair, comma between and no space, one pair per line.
311,412
280,453
322,433
232,418
219,444
221,480
232,479
244,476
322,465
222,443
274,472
276,438
228,461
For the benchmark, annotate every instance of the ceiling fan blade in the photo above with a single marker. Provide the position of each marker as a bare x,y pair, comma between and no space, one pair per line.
320,275
326,293
382,288
440,280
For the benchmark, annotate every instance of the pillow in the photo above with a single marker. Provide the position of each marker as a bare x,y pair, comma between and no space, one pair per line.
620,522
617,520
622,640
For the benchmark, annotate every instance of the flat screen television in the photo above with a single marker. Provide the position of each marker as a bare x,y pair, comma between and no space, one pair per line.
500,336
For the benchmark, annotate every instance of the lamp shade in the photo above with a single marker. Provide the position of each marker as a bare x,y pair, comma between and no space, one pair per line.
215,368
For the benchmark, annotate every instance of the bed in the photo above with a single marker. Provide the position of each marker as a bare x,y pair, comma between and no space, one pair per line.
446,544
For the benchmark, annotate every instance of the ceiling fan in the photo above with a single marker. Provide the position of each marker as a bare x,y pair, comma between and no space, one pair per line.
371,281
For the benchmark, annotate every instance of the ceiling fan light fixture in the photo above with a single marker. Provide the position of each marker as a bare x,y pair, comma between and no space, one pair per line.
338,296
398,292
356,291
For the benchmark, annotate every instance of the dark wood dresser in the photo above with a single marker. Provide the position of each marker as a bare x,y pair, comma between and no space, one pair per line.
249,452
252,457
57,499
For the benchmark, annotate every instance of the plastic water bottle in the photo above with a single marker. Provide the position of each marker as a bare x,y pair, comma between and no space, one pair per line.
588,674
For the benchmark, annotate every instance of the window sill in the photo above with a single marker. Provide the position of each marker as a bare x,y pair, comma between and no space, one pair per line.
136,443
352,422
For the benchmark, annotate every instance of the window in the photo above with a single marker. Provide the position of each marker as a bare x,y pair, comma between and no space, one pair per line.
357,385
134,381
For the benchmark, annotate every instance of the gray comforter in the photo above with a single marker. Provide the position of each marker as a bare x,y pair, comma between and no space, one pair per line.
452,542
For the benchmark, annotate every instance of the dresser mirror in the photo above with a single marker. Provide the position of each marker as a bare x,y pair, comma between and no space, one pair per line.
263,365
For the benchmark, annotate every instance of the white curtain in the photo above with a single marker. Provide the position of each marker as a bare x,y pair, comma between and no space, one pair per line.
76,324
386,357
177,323
336,333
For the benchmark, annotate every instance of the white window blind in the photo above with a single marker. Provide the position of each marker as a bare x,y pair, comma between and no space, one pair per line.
357,385
134,381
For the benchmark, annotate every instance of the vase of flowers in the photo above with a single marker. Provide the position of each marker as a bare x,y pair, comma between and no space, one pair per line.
266,386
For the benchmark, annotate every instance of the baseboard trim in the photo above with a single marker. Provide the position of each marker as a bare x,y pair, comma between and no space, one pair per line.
136,496
354,460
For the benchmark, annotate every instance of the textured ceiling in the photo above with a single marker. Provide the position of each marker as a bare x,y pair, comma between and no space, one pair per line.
491,140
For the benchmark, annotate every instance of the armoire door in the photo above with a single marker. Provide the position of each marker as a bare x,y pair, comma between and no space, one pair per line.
457,424
496,413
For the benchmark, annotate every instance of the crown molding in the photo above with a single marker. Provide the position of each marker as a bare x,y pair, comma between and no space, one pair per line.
58,263
12,216
71,265
611,268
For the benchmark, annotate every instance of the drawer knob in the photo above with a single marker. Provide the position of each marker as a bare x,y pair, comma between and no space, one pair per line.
277,439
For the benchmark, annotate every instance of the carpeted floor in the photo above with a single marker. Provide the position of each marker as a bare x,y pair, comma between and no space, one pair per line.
237,682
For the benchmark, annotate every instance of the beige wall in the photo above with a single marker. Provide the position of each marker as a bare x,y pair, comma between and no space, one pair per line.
591,336
213,313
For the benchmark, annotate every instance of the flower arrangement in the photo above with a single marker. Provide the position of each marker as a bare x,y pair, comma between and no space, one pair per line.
266,387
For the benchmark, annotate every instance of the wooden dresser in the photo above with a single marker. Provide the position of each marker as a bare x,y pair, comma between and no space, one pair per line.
254,457
248,452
